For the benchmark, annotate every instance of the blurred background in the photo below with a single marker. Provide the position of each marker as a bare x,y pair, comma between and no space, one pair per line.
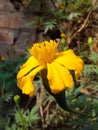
74,24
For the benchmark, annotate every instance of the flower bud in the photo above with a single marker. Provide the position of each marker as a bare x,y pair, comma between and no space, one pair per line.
63,41
17,99
90,41
63,35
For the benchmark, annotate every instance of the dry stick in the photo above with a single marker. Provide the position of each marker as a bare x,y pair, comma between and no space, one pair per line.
83,25
41,108
47,110
42,116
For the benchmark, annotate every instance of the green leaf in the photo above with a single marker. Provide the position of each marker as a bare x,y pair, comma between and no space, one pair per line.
77,91
49,25
35,108
73,16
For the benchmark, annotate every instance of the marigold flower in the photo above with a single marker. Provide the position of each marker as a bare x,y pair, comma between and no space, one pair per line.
44,56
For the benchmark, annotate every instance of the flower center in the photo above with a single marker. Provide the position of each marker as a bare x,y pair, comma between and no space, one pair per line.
44,52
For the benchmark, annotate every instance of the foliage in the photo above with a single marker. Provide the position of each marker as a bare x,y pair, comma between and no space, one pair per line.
24,120
8,87
8,71
49,25
62,10
10,117
94,57
6,109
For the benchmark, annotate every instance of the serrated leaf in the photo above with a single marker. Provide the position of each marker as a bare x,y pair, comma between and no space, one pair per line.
73,16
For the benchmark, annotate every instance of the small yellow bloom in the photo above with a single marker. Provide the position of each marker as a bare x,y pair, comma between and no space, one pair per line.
63,35
44,56
2,58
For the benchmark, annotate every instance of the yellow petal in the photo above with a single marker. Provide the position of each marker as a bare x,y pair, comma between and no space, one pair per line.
35,71
25,82
71,61
59,77
28,87
26,67
19,82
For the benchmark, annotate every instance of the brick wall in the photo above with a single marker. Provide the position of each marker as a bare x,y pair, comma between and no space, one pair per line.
15,33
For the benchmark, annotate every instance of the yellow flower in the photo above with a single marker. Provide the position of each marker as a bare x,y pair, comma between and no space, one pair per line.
44,56
63,35
2,58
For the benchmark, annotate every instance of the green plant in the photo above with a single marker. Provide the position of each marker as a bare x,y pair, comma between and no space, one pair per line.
78,4
8,87
6,109
90,105
23,119
8,71
50,25
94,57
